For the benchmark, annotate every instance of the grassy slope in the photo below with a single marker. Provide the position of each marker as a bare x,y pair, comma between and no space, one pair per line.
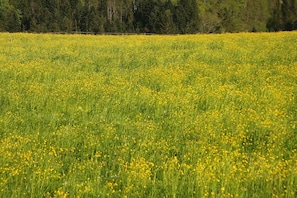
148,116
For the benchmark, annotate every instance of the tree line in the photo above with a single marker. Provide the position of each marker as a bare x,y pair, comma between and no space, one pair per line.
148,16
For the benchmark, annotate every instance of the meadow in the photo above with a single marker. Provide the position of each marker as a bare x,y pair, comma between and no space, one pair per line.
148,116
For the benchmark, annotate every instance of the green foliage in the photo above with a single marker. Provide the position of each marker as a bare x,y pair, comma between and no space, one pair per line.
187,16
10,18
148,16
284,16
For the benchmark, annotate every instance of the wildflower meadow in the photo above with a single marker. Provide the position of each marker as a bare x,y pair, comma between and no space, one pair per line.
148,116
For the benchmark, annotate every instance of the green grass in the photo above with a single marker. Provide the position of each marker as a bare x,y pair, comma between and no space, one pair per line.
148,116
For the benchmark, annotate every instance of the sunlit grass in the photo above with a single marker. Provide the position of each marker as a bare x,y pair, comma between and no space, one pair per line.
148,116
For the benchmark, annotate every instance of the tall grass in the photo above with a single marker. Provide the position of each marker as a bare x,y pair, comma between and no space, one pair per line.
148,116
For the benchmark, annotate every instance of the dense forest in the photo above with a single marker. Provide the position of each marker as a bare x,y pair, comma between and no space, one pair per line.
147,16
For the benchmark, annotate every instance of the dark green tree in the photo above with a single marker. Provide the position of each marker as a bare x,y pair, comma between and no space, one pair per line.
10,17
143,15
289,12
66,16
167,25
283,15
186,16
13,20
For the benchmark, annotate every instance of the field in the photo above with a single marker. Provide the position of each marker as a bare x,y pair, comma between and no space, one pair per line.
148,116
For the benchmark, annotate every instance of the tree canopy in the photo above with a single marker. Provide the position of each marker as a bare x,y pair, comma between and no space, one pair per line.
148,16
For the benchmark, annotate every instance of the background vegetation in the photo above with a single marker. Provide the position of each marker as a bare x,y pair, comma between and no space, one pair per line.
148,116
147,16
